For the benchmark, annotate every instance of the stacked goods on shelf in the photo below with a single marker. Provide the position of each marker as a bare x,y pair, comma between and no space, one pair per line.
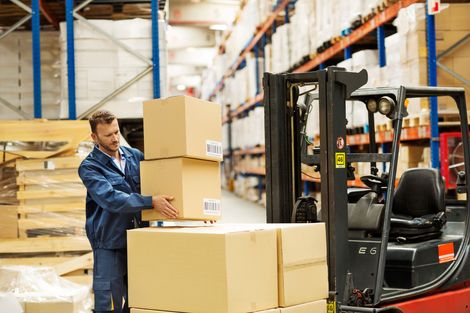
267,268
253,14
248,187
183,151
301,41
45,226
408,66
16,75
40,289
101,66
249,131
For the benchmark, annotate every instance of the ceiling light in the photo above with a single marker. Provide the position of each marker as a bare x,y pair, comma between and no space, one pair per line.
180,87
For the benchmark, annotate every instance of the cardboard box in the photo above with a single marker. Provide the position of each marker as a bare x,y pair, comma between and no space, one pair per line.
182,126
302,266
153,311
410,154
8,221
195,184
311,307
50,307
221,269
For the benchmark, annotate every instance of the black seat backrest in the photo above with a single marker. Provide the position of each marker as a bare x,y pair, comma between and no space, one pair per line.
420,192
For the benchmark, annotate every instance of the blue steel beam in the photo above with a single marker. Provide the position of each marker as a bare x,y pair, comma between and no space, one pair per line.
36,58
69,5
432,81
155,50
381,46
347,52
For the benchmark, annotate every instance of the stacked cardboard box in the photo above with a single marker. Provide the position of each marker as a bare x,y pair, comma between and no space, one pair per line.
228,268
183,149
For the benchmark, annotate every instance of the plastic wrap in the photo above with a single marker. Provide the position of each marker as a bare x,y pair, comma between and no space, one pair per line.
8,187
40,289
51,197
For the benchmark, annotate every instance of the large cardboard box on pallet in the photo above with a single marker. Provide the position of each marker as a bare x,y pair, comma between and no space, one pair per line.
153,311
310,307
302,267
221,269
182,126
194,184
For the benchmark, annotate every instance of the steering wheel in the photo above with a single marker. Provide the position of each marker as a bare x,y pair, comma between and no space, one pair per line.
375,183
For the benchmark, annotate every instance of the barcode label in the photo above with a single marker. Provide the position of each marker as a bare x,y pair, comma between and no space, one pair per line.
211,207
214,148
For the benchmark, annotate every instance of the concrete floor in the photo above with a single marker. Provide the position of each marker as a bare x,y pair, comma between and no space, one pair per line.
238,210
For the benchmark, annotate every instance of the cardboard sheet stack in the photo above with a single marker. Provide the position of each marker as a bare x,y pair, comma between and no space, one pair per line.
183,151
275,268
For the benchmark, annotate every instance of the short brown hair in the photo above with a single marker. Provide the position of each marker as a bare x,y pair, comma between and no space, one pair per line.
101,117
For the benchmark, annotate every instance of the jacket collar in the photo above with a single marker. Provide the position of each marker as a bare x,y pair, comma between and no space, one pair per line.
105,159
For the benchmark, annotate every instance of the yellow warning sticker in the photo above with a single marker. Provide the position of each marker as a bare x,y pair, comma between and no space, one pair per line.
331,306
340,158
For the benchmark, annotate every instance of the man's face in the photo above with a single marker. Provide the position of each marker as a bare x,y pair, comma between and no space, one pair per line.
107,136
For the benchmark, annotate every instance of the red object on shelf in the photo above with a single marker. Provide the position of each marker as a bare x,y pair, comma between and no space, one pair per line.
448,143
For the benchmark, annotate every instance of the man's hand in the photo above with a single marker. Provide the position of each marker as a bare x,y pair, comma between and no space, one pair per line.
163,206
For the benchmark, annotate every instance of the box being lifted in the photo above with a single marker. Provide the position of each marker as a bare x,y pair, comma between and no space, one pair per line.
182,126
204,269
195,185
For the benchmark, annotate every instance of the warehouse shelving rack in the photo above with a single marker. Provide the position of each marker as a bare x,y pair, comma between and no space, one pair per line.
376,23
71,14
34,16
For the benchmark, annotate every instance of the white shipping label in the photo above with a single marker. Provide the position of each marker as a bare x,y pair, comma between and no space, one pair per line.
214,148
211,207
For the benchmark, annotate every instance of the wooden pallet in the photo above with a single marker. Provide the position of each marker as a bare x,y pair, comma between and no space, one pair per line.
51,197
45,245
71,133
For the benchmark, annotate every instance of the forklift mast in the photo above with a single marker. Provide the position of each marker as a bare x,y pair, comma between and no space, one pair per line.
286,150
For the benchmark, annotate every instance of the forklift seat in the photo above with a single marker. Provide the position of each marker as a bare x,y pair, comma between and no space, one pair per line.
418,206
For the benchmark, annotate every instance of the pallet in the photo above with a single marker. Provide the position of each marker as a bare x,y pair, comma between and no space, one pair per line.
38,177
45,245
47,194
70,133
51,164
59,206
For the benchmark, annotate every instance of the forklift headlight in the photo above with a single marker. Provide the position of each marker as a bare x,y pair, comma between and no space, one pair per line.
372,106
386,105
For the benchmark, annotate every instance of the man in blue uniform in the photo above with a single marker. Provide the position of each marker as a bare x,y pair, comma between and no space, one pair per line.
111,174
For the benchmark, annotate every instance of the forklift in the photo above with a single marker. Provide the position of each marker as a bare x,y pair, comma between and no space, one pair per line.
390,247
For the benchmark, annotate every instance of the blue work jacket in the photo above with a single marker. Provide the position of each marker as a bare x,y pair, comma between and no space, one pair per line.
113,202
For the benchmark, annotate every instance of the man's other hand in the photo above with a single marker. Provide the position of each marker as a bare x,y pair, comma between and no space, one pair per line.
163,206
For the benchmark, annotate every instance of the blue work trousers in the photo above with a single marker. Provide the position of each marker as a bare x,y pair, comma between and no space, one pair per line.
110,281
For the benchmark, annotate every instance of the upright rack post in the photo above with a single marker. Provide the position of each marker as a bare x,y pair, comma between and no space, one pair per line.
35,12
381,46
155,50
347,52
432,81
69,5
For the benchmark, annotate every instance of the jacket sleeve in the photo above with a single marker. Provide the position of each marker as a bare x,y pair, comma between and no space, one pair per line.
107,197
